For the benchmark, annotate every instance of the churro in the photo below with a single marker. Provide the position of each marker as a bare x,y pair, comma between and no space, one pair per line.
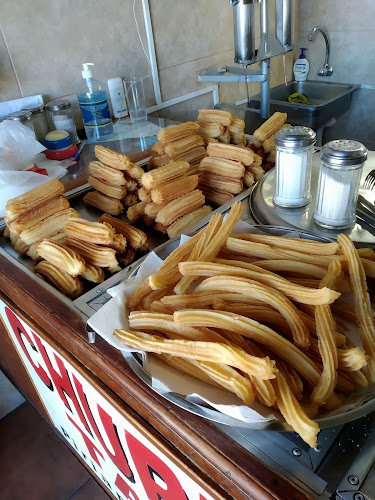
174,189
67,284
171,134
33,198
92,232
361,300
103,202
61,256
48,226
111,175
231,152
179,207
94,274
93,254
37,214
169,172
222,166
212,181
183,223
215,115
215,196
117,192
136,238
211,129
270,126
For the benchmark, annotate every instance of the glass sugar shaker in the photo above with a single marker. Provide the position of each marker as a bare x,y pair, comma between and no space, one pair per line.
341,168
38,115
23,116
294,150
62,117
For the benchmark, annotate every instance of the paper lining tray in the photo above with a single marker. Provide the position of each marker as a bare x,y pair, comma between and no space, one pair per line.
360,403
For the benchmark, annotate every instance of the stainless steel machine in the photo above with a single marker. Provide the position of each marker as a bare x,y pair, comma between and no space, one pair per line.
272,23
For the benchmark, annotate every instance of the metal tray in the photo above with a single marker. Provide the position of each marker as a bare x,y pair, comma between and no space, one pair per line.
134,361
265,211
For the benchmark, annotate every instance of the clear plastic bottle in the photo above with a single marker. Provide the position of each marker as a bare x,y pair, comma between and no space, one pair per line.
93,101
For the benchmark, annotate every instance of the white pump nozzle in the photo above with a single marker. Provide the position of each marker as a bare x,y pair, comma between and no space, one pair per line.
86,73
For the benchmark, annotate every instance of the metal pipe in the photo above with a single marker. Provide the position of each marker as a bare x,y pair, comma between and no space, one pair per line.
285,22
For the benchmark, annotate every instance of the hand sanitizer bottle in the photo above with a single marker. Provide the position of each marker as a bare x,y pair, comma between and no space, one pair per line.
301,67
93,101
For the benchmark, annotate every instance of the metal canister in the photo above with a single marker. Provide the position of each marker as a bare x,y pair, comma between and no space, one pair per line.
38,116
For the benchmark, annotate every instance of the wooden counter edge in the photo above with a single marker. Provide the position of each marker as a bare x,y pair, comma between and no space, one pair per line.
226,463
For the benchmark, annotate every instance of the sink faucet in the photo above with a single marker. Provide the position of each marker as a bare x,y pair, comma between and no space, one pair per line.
327,69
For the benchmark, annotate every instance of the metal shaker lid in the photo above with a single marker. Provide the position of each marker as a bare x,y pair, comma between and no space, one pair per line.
343,152
22,116
35,110
58,105
295,136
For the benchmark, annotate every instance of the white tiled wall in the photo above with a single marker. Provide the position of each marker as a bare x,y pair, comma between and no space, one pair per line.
351,30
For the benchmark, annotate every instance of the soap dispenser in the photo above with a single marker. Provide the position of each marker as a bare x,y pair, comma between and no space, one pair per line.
301,67
93,101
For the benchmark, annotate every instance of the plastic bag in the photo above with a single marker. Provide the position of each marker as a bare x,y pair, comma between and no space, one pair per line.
18,145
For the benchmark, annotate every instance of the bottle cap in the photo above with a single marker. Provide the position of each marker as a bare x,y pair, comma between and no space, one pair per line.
86,73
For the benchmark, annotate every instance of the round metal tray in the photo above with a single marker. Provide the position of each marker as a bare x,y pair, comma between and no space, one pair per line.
134,361
265,211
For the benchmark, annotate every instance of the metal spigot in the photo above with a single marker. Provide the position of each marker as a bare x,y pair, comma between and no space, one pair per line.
327,69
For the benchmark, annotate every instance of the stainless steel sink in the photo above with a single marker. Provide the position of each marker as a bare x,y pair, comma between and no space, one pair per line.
326,100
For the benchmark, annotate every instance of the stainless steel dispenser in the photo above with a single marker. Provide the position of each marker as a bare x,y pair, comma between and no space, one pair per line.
272,44
244,31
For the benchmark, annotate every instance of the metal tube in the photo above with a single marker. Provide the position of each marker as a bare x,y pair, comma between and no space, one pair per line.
285,22
244,32
265,90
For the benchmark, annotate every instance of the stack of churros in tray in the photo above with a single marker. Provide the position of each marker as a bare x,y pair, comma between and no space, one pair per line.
115,179
87,250
42,225
263,143
38,214
216,125
262,320
178,143
226,169
171,201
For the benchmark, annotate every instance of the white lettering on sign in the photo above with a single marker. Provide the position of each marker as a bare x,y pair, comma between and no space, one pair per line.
122,458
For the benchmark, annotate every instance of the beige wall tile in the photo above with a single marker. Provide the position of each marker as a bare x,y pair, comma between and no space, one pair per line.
48,42
9,88
185,31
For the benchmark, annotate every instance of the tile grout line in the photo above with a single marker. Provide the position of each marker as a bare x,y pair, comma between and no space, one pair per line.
11,60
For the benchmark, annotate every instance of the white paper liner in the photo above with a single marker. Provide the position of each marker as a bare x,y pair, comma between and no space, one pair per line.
165,379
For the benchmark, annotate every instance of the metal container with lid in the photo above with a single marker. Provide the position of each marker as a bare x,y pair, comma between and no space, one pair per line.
39,121
294,149
341,168
23,116
60,111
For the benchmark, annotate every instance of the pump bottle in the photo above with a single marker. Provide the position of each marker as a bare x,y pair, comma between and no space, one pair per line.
93,101
301,67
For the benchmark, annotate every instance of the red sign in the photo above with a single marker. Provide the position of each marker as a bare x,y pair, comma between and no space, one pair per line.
115,449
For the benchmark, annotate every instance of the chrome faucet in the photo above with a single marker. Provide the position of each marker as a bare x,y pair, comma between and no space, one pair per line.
327,69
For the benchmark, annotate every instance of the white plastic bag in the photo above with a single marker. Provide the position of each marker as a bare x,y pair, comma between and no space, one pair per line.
18,145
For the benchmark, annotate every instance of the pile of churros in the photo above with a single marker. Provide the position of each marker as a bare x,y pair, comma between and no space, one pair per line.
38,214
263,143
261,316
115,180
178,143
226,169
42,225
170,201
216,125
